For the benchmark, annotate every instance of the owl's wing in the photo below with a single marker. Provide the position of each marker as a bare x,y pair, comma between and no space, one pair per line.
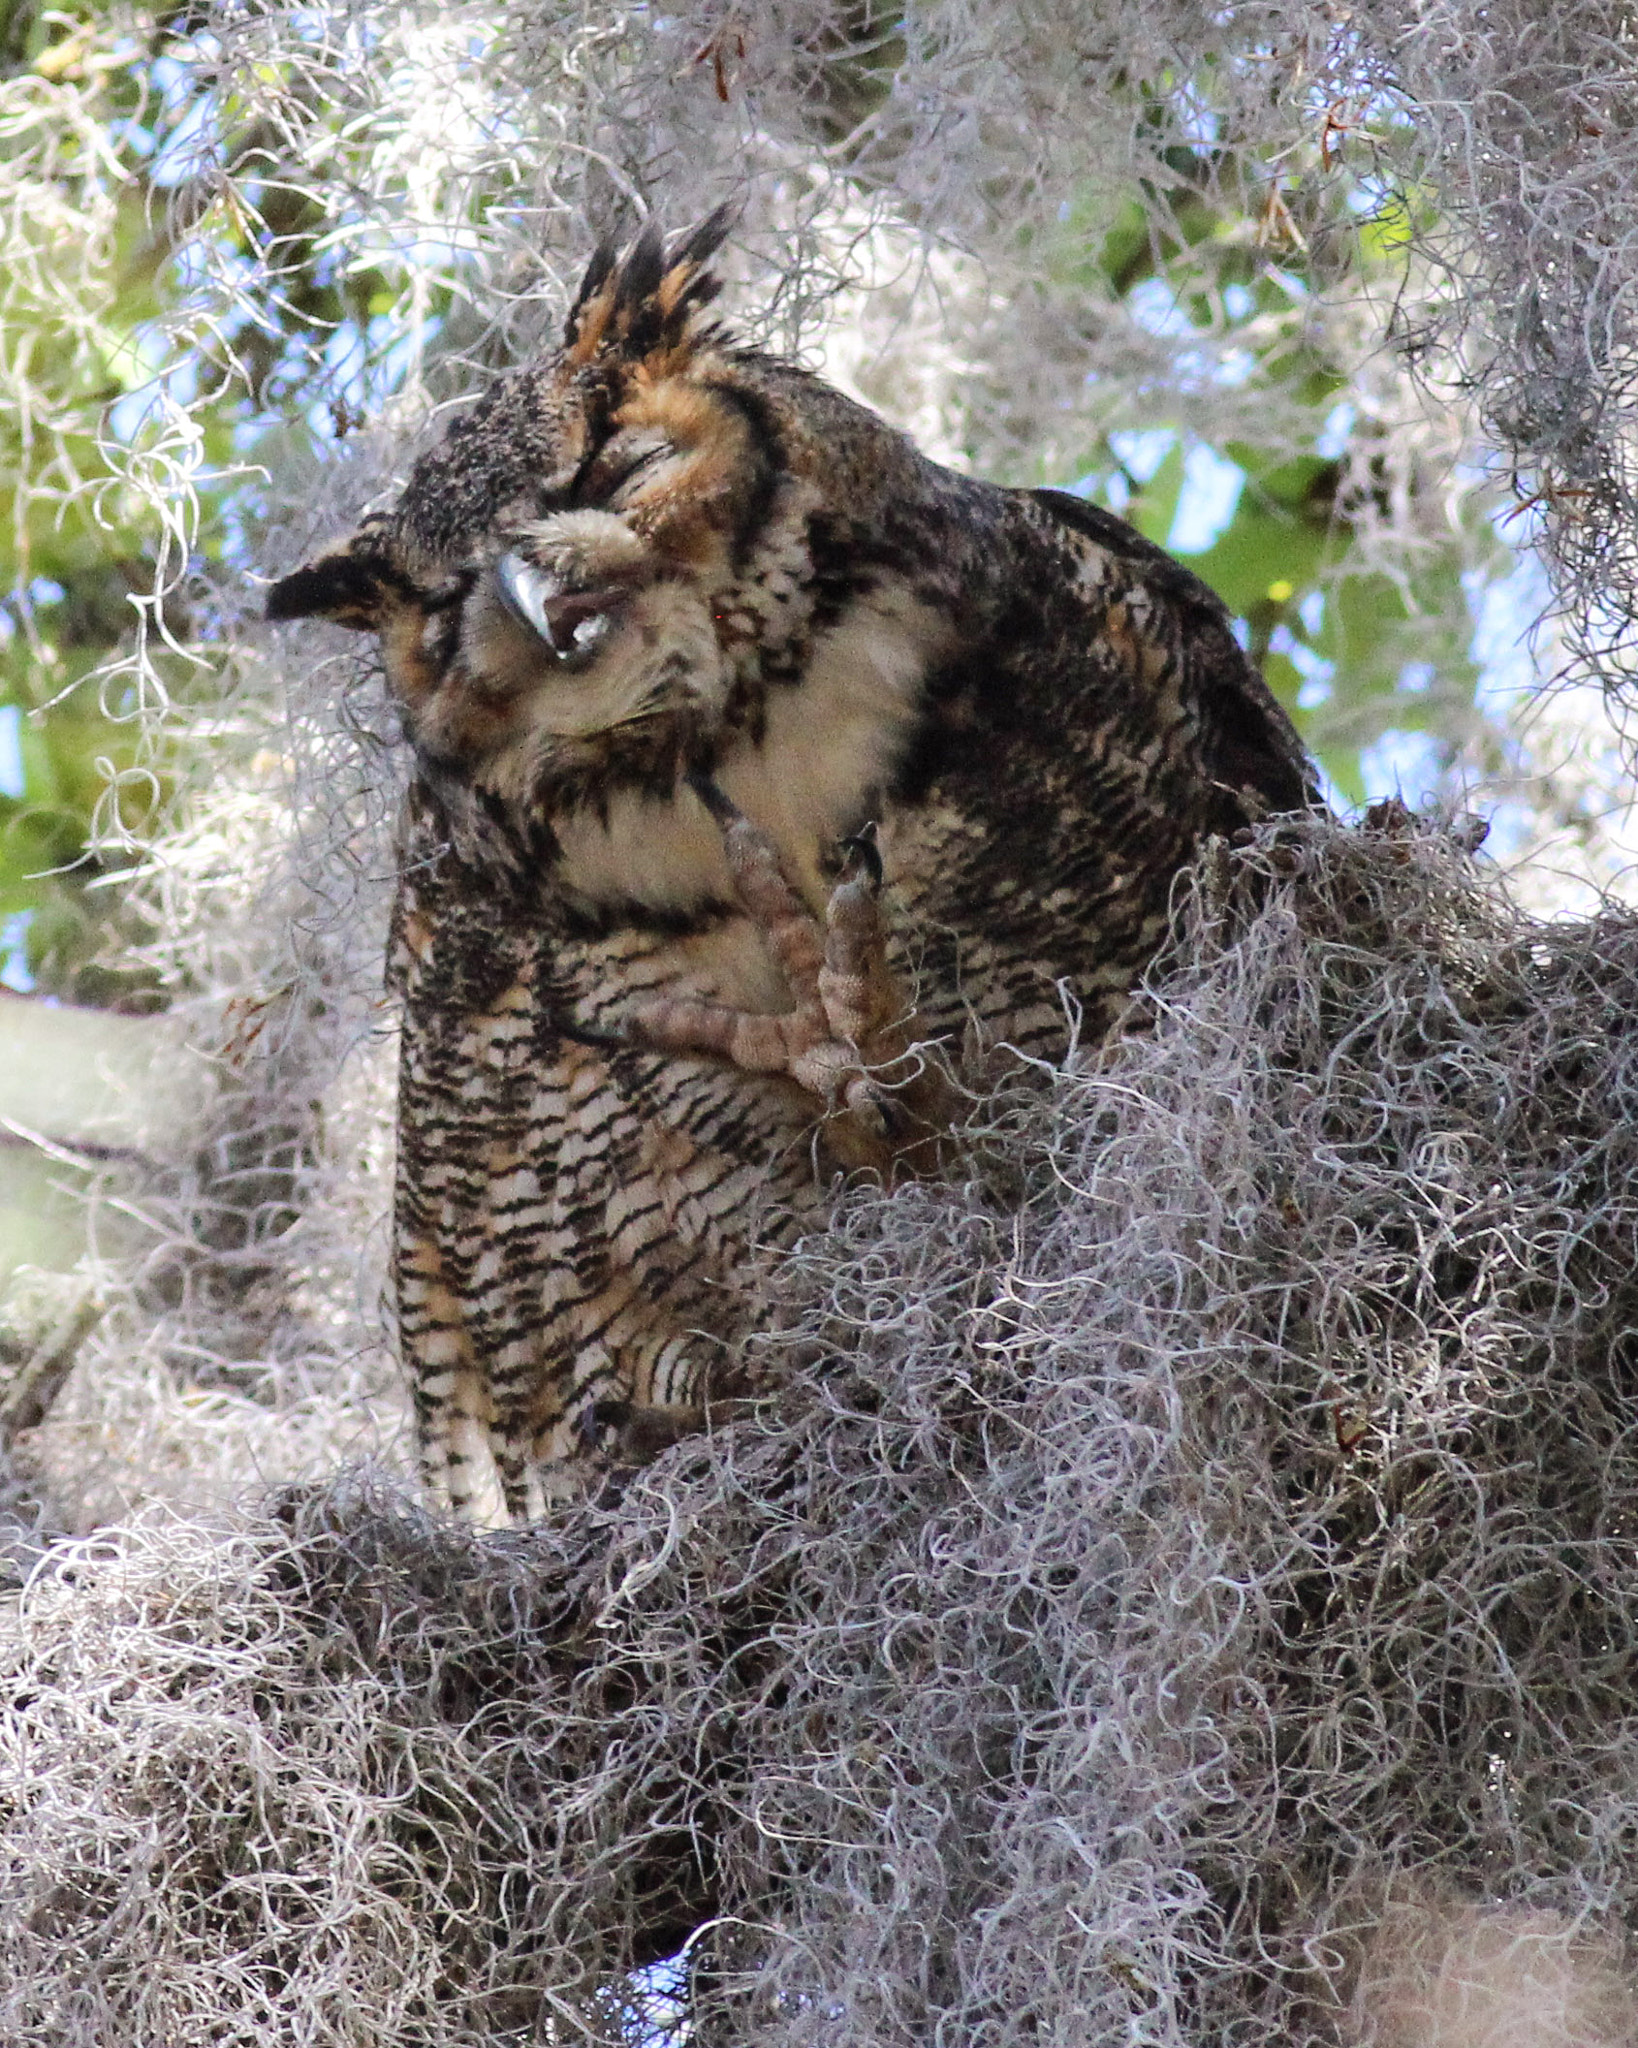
1250,743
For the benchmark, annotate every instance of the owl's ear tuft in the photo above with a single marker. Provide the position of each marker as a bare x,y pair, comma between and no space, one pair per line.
349,584
641,306
598,271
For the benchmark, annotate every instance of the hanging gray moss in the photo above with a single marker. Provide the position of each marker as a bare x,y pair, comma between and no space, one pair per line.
1125,1592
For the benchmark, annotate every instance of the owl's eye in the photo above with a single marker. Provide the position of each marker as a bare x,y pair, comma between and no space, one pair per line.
628,459
634,461
572,623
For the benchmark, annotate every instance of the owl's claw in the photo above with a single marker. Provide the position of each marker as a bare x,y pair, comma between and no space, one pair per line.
861,851
850,1039
714,797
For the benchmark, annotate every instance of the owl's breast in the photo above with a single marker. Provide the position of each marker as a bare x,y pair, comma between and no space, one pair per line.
724,959
813,771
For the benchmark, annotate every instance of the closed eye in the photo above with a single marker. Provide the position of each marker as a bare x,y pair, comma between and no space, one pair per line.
621,462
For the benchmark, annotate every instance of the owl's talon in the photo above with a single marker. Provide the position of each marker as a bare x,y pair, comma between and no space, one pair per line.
877,1112
714,797
600,1422
861,851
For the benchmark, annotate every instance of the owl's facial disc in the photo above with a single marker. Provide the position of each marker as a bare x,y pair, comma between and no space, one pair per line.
564,637
573,624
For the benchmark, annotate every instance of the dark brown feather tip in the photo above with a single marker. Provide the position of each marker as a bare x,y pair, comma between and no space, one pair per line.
347,588
598,272
696,246
641,271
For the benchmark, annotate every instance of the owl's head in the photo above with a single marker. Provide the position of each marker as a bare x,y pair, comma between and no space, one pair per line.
553,573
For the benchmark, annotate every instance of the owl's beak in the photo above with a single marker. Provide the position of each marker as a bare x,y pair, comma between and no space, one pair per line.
570,622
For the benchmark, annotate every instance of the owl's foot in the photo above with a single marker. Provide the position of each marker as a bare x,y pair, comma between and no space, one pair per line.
851,1040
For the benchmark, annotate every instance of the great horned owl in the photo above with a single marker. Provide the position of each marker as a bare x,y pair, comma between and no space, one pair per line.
693,653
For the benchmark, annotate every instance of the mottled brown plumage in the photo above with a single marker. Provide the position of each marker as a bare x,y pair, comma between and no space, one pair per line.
687,645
